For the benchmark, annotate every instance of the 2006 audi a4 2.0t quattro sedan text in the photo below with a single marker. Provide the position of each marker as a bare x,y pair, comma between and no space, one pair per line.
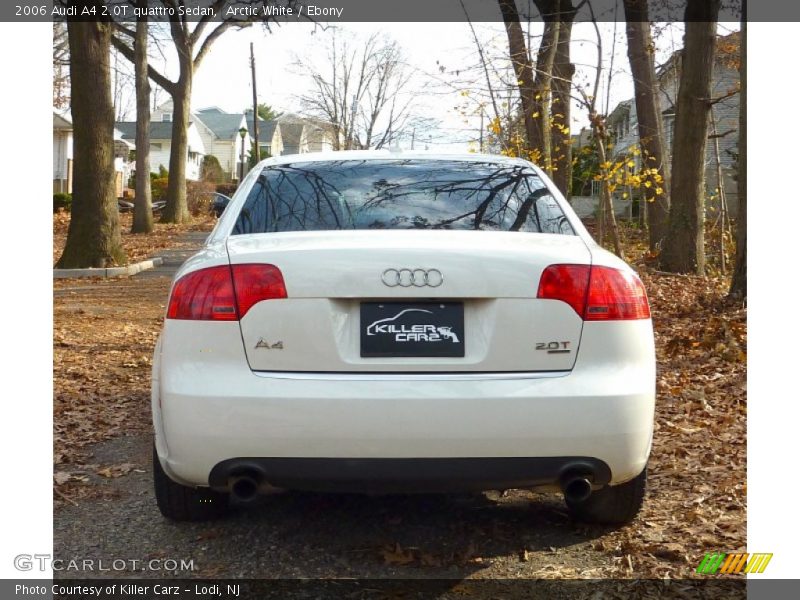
387,322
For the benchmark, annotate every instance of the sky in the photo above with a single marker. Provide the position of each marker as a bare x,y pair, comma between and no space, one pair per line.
224,76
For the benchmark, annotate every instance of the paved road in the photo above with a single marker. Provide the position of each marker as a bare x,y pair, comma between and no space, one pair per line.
175,258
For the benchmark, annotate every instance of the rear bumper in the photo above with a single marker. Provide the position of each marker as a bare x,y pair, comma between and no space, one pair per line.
408,474
209,408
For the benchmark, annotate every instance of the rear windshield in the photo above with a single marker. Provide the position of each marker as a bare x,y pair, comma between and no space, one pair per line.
400,194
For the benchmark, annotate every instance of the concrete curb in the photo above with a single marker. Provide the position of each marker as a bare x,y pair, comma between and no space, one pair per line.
109,272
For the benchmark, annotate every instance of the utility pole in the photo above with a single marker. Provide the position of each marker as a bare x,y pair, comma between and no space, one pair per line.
413,133
255,105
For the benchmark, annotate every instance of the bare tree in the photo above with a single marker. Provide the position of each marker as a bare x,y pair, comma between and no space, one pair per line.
142,209
192,45
544,69
739,282
683,250
601,139
648,114
60,65
93,239
523,67
362,91
123,87
563,71
535,82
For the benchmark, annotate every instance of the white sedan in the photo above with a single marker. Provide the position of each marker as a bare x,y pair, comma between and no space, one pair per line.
390,322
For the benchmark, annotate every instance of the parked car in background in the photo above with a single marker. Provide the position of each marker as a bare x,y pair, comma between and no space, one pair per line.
392,322
126,206
219,203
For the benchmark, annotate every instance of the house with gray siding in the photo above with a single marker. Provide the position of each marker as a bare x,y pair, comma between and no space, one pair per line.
723,122
270,142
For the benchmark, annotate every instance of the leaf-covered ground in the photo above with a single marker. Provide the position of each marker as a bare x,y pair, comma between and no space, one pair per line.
104,333
137,246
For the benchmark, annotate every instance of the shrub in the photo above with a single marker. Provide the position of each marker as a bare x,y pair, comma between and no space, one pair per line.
62,200
198,196
227,188
159,188
211,170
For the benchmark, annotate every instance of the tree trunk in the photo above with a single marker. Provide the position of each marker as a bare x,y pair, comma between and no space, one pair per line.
534,87
648,111
739,282
176,209
563,70
523,69
93,239
542,95
683,246
143,208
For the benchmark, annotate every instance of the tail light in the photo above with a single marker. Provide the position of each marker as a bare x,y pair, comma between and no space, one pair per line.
254,283
596,293
224,293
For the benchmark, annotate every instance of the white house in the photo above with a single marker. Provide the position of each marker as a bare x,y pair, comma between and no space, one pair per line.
62,154
161,143
303,134
220,133
123,165
270,140
317,136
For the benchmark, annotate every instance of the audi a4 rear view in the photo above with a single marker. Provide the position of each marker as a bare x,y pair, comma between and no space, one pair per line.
381,322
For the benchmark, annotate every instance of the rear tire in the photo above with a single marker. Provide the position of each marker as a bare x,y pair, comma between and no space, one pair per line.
612,504
184,503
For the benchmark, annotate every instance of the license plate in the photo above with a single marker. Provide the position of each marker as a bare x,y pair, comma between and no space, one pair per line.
402,329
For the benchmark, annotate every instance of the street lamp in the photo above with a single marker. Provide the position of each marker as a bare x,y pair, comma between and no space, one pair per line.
242,133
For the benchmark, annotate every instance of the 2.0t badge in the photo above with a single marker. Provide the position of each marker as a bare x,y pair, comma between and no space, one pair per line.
554,347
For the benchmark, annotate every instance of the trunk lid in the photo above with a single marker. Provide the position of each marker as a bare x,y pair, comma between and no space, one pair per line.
329,275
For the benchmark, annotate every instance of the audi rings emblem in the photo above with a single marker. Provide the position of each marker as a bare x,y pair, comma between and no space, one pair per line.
412,277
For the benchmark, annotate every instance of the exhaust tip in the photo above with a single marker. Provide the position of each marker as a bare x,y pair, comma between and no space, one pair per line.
577,489
244,488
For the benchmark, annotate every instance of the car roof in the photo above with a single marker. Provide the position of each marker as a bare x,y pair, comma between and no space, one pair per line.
389,154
